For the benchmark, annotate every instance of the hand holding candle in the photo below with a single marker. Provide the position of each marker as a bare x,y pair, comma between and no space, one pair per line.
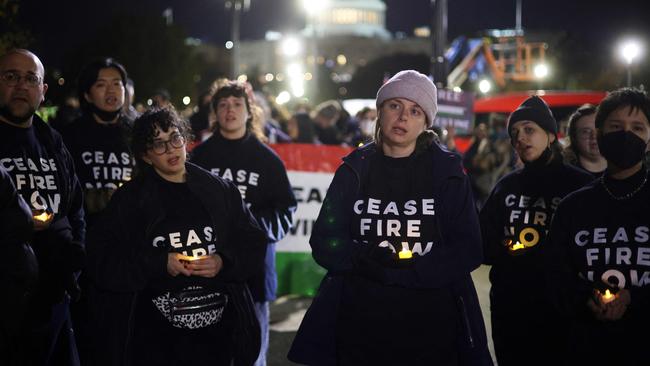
206,266
606,296
175,265
42,219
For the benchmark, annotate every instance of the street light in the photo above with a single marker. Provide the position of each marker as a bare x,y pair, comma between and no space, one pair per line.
540,71
484,86
630,51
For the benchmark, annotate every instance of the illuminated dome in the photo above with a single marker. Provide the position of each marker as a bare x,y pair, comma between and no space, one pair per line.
365,18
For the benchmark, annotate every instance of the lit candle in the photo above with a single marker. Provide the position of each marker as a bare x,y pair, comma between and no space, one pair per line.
405,254
189,258
607,296
43,216
517,246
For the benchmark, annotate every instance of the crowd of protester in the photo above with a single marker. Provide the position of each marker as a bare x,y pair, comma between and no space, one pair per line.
147,236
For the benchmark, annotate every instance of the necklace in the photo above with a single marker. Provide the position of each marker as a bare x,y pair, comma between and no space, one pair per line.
627,195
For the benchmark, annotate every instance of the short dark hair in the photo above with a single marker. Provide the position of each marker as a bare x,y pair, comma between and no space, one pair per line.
90,72
582,111
231,89
636,99
144,129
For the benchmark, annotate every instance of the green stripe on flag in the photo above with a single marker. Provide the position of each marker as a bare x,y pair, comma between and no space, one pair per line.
298,273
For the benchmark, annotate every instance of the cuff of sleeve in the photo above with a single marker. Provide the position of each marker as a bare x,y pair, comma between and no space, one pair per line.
155,263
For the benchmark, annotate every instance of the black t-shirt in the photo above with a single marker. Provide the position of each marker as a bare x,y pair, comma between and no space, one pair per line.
515,221
396,210
186,228
100,151
33,170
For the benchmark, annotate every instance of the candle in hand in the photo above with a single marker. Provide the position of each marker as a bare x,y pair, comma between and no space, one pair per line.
517,246
189,258
44,216
607,296
405,254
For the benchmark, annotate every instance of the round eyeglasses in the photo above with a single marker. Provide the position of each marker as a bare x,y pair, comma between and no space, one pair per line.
160,147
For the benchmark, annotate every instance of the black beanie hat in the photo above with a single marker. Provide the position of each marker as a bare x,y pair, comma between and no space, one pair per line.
536,110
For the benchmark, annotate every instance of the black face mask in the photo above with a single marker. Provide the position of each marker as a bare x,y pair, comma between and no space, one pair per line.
104,115
623,148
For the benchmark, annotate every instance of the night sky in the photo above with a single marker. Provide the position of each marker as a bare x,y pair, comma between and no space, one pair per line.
59,25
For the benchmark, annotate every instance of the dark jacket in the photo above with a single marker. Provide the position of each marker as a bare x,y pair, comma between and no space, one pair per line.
270,199
18,275
121,264
60,248
448,265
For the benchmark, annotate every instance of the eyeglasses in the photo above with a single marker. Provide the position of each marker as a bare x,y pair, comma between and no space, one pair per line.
13,78
586,133
160,147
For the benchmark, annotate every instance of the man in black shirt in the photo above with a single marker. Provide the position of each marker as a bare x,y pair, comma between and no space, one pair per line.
43,173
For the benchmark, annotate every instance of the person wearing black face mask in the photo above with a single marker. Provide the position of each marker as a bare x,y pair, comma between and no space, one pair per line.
514,222
98,144
600,242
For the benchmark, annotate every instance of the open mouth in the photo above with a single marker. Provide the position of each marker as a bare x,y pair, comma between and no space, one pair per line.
173,161
399,131
110,100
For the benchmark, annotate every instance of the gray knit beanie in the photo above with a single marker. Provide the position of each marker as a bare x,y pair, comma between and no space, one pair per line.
413,86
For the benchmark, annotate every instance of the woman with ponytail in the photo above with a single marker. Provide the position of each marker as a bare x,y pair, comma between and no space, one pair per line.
399,236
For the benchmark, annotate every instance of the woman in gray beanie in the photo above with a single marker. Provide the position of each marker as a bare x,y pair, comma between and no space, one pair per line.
514,223
399,236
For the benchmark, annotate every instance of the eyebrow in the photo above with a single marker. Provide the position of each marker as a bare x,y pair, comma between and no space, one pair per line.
18,72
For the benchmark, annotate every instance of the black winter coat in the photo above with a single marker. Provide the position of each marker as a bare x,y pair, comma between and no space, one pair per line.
448,265
121,262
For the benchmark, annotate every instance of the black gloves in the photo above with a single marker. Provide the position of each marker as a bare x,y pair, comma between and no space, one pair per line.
371,260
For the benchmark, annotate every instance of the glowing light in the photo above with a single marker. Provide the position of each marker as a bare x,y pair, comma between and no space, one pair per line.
229,45
341,59
149,101
517,246
313,7
630,50
405,254
242,78
269,77
43,217
308,76
186,100
484,86
61,81
607,297
294,71
283,97
291,46
541,71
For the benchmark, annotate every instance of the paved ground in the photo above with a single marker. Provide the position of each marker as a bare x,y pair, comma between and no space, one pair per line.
287,312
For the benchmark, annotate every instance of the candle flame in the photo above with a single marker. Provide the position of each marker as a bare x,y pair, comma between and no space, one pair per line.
517,246
405,254
43,217
182,257
608,296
